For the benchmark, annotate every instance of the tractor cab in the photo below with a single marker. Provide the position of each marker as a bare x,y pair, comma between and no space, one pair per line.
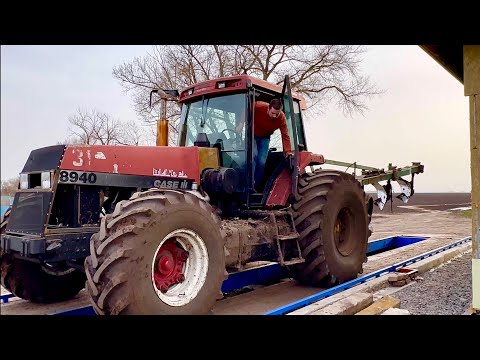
210,117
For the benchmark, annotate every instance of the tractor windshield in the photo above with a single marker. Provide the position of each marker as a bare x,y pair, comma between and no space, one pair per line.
218,118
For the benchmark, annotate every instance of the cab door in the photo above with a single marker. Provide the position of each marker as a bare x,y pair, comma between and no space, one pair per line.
289,110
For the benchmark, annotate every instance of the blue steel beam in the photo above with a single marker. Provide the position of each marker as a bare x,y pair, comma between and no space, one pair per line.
86,310
329,292
274,272
5,298
260,275
390,243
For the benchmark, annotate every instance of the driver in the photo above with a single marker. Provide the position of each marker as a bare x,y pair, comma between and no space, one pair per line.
268,117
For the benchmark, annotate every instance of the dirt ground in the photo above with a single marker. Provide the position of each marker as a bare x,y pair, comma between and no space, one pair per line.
426,201
425,215
447,289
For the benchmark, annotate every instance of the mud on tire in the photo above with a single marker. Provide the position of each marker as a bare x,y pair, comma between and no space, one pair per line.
120,266
331,216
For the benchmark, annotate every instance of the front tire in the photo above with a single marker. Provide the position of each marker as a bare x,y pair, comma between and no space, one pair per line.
160,252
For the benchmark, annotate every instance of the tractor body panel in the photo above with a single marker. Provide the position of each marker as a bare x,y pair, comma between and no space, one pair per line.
282,185
157,162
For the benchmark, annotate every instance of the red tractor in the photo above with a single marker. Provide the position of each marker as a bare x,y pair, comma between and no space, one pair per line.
156,230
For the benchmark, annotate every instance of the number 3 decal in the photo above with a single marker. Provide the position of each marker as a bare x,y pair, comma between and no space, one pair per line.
80,159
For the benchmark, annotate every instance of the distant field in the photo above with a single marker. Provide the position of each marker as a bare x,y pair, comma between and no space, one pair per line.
427,201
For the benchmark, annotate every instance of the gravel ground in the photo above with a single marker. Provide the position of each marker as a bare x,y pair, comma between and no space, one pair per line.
445,290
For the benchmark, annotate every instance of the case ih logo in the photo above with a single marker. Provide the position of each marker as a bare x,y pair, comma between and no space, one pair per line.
173,184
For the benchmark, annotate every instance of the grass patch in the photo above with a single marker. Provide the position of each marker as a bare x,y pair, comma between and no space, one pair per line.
467,213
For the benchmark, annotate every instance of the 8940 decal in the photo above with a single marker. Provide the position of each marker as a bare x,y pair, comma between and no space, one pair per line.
77,177
123,180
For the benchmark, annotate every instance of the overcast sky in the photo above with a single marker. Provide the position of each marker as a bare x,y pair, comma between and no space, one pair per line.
422,116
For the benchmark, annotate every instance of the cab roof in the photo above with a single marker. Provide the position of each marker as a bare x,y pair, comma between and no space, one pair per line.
232,84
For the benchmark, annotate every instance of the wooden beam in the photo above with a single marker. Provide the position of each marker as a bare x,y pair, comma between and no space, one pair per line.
472,89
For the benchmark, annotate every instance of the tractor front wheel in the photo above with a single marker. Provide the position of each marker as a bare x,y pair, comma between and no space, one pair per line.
160,252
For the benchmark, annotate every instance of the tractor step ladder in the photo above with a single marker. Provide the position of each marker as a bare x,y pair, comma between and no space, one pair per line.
281,239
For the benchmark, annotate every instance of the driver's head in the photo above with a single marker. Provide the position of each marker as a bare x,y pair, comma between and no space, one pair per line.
275,108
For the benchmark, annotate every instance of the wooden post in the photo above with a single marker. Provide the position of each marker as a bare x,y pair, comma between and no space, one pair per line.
471,71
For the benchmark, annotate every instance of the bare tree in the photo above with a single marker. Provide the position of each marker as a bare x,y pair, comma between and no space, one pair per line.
10,186
322,73
98,128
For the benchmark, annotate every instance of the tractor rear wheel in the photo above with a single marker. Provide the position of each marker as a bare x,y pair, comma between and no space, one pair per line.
331,216
160,252
39,283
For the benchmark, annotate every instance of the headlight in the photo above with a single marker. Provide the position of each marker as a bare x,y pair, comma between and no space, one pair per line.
46,183
23,181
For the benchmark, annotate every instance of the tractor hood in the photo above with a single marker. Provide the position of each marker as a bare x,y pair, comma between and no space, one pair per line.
44,159
153,161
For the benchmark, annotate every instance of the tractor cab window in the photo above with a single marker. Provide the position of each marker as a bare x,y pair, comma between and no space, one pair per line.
276,138
217,118
299,125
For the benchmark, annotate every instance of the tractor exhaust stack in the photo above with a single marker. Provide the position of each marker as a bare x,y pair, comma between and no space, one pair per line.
162,122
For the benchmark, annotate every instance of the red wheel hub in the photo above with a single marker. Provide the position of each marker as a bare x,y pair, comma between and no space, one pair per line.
168,269
165,264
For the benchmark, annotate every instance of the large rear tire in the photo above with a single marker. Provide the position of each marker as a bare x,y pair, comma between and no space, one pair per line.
160,252
31,281
331,215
